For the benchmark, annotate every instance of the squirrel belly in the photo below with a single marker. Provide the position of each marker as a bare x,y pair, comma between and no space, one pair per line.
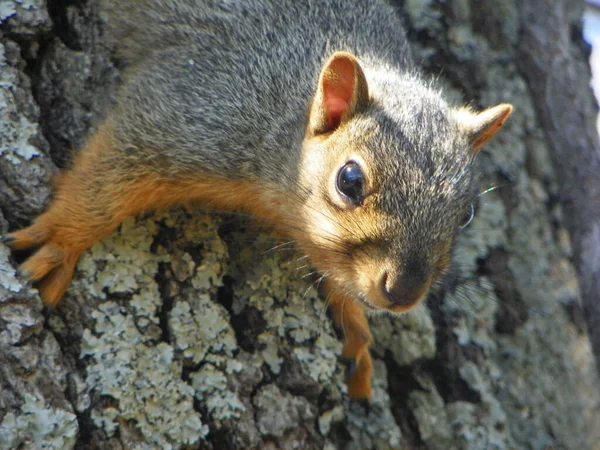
307,114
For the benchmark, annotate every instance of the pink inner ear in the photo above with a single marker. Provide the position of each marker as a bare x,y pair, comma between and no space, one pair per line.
338,89
334,110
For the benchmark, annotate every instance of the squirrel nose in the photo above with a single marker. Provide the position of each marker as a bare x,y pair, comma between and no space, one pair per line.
404,290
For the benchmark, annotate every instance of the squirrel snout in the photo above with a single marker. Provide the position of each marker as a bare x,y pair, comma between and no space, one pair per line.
404,290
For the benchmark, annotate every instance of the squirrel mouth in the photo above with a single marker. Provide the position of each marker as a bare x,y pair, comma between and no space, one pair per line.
399,309
370,305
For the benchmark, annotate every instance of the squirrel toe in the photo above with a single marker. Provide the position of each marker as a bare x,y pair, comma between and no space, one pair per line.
42,262
359,384
55,284
31,236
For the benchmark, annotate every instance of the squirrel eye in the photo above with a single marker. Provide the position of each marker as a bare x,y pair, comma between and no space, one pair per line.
467,218
350,182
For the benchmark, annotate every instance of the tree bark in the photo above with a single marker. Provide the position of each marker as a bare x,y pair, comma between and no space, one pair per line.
180,331
558,77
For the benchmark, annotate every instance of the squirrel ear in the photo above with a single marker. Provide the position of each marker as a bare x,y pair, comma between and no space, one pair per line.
341,92
481,127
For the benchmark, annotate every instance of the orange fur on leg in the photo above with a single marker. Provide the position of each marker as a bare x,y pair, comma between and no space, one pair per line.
359,385
62,232
357,338
99,192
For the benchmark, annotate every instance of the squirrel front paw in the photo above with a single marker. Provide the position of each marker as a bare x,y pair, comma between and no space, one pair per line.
359,380
52,264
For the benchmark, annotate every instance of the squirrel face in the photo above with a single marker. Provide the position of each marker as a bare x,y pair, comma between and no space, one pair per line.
388,169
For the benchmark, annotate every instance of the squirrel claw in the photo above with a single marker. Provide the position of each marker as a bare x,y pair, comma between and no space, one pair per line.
350,368
7,239
23,273
363,403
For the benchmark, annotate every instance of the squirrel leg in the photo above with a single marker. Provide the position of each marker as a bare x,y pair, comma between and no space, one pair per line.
82,211
92,198
352,319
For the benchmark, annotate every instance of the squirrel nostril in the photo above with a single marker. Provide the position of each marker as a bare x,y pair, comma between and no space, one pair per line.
384,278
387,287
403,291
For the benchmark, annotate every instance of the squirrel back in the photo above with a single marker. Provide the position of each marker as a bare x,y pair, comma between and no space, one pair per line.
238,77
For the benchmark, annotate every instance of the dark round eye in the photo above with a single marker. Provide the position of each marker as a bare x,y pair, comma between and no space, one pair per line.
350,182
467,218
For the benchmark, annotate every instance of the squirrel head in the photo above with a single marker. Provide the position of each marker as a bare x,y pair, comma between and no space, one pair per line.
387,173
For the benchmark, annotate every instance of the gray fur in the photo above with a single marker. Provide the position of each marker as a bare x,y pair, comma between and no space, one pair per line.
247,71
237,102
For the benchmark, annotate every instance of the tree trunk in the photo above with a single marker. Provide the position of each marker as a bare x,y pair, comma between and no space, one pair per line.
181,331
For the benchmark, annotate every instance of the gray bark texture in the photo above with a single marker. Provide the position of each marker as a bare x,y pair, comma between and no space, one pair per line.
181,332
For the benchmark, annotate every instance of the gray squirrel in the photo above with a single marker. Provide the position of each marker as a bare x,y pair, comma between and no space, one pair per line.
308,114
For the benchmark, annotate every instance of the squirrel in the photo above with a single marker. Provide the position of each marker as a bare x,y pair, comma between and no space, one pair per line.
309,115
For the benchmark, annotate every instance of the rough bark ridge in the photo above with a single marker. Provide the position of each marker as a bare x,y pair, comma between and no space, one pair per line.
554,73
179,332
